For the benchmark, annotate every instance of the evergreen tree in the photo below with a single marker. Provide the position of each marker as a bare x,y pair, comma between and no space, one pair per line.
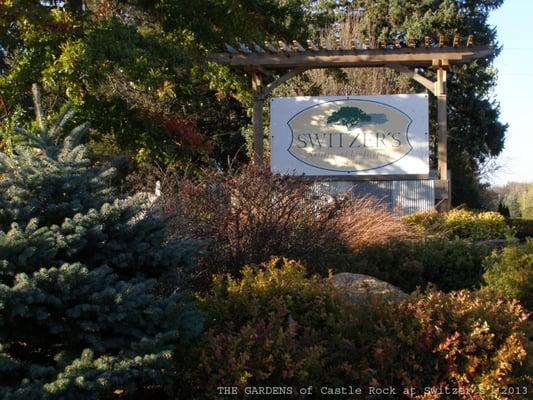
475,132
503,209
80,314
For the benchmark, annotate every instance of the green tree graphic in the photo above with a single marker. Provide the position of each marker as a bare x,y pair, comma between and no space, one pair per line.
349,117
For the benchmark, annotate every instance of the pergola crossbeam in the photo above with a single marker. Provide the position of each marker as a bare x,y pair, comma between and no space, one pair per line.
288,58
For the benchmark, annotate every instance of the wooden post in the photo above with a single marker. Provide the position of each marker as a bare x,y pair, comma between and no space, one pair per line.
257,117
442,110
442,118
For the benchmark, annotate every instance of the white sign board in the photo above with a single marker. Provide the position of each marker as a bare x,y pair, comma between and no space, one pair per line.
350,135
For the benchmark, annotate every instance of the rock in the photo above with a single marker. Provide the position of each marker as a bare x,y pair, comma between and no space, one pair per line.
359,288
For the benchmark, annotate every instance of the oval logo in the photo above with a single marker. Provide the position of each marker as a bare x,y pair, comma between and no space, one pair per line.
350,135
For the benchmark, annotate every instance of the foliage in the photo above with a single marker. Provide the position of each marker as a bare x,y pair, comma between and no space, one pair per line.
79,268
480,340
361,222
516,197
251,215
509,274
460,223
139,70
247,217
522,228
282,326
447,264
275,327
504,210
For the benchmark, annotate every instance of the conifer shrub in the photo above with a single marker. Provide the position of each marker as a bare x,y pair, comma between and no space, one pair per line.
79,270
509,274
276,327
460,224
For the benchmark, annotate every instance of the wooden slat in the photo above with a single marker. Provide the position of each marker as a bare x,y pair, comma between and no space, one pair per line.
244,48
312,46
230,49
441,40
339,45
470,41
257,48
456,40
297,45
270,47
283,46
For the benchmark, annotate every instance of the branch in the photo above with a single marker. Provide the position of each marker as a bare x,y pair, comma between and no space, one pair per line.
38,110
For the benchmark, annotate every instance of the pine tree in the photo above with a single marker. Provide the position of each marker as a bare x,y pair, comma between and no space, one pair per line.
80,313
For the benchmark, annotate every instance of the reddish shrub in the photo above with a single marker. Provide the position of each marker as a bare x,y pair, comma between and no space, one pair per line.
247,217
363,222
276,327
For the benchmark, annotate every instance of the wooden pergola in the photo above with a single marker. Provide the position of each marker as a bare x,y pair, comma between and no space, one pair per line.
277,64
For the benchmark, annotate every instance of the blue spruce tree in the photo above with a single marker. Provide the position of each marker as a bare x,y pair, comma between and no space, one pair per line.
81,315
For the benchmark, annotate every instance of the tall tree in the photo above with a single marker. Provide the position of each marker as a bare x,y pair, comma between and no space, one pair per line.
139,70
475,132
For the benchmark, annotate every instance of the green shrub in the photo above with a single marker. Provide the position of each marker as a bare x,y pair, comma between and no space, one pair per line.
276,327
461,224
272,327
448,264
509,274
451,264
522,228
426,222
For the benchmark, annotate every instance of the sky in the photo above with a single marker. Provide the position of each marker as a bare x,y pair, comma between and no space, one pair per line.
515,89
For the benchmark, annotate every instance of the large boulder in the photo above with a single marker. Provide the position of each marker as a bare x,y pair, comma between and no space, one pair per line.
359,288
